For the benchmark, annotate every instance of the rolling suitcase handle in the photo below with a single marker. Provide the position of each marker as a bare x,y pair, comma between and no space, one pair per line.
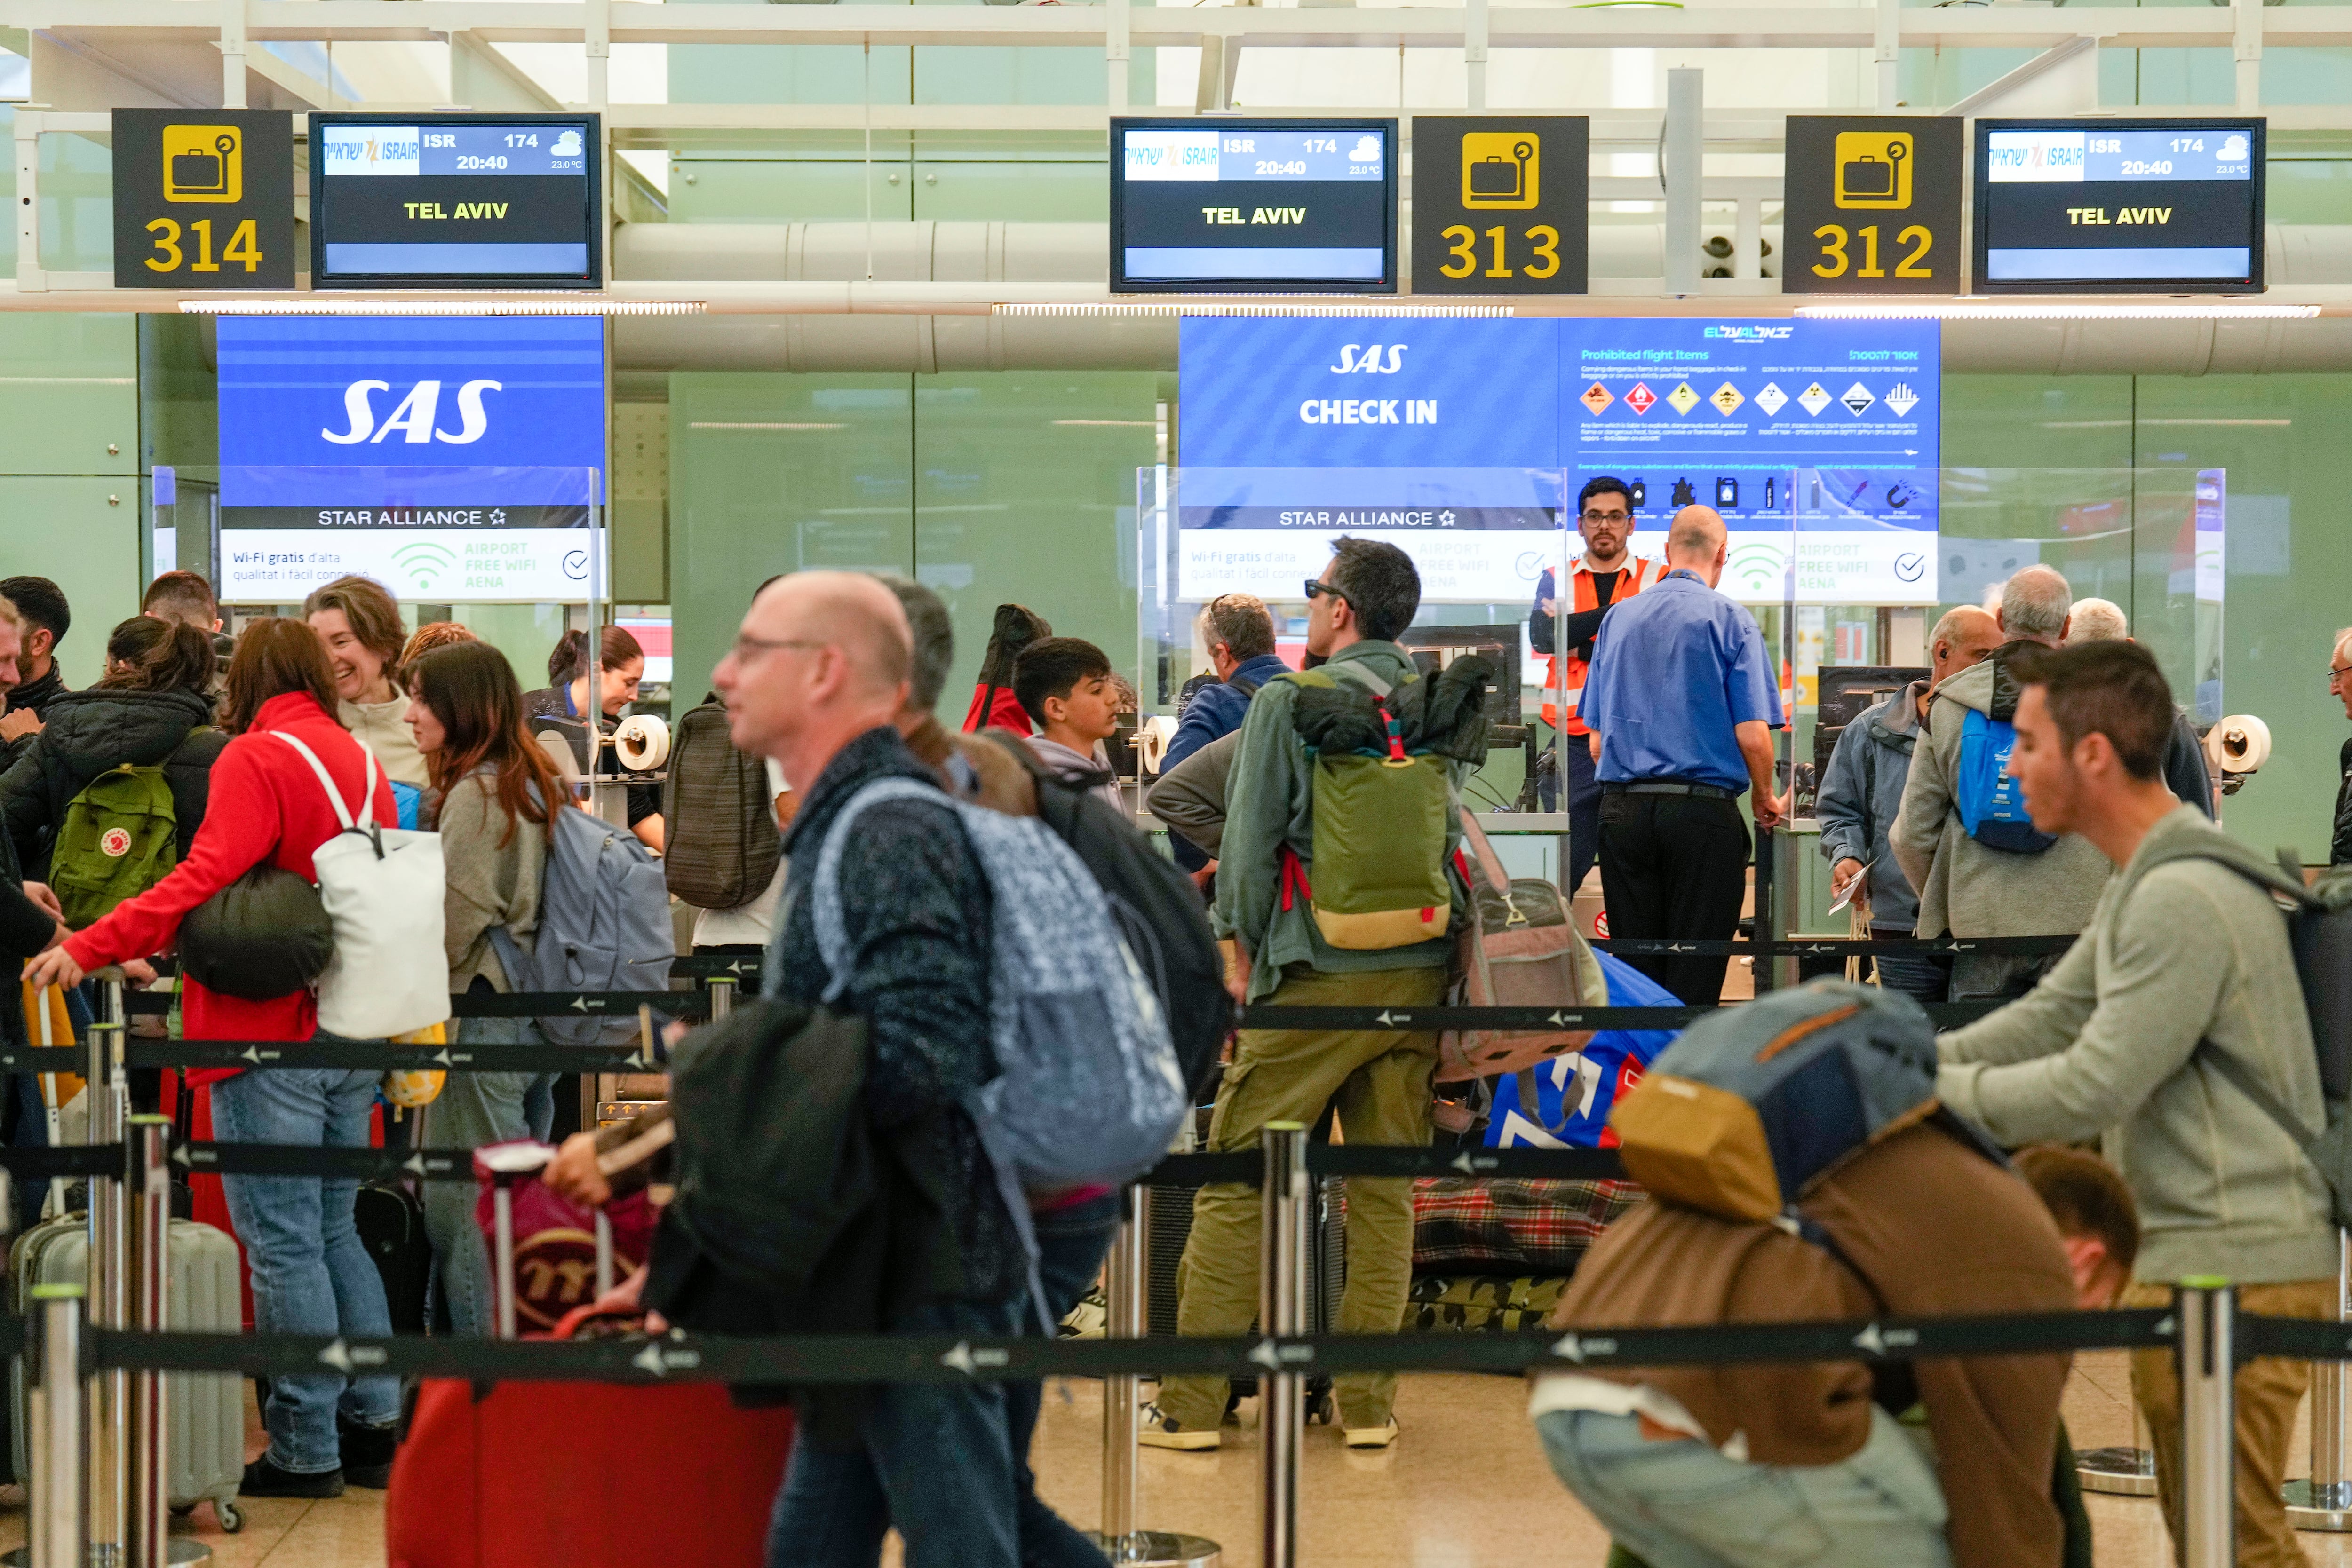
507,1164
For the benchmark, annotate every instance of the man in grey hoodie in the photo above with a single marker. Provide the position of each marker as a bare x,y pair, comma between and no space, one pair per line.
2185,965
1966,888
1862,791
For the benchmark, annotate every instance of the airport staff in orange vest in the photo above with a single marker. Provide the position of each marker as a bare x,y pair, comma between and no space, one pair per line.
1606,574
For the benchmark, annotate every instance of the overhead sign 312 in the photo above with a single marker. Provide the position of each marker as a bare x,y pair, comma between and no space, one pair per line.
203,198
1872,205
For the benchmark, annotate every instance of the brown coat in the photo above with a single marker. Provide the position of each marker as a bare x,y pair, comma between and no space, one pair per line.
1004,784
1937,1230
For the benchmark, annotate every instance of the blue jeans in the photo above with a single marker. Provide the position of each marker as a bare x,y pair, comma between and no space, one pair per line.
1923,976
474,1109
933,1459
1679,1503
311,1275
1071,1243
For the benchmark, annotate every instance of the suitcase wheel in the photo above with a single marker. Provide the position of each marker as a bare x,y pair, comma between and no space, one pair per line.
1322,1409
231,1517
182,1510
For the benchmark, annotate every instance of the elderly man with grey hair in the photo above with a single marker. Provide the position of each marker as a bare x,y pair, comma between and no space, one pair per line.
2103,621
1967,887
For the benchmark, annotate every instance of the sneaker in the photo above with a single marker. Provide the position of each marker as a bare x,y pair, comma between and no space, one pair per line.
263,1479
367,1453
1159,1432
1089,1317
1379,1437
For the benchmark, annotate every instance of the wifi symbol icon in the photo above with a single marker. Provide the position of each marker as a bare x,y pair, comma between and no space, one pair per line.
1756,566
423,561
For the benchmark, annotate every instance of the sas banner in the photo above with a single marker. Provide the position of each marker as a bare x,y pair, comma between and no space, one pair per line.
1456,439
453,459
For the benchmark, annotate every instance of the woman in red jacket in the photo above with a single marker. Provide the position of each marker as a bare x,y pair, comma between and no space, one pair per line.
311,1275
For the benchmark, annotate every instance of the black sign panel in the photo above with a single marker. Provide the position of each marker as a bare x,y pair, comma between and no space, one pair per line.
203,198
455,201
1872,205
1499,204
1227,206
2120,206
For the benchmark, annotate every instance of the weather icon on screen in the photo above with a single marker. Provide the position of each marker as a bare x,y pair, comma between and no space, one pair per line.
1366,150
2232,150
566,145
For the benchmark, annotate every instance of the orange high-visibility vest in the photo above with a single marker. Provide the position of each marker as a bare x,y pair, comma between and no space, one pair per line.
1564,668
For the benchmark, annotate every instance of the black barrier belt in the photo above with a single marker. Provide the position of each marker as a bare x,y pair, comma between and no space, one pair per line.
68,1160
1248,1166
1533,1020
1824,946
511,1004
942,1359
249,1053
743,968
308,1160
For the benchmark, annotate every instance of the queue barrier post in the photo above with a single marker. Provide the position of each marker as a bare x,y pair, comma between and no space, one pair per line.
605,1281
147,1536
2324,1501
108,1304
722,995
57,1490
1282,1313
2207,1309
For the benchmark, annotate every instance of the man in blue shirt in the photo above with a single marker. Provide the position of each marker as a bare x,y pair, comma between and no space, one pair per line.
1239,631
1681,701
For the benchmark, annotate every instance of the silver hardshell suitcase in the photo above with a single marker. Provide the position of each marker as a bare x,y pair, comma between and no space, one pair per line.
203,1412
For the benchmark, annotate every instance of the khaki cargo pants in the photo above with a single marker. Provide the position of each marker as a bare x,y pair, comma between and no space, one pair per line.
1379,1079
2269,1392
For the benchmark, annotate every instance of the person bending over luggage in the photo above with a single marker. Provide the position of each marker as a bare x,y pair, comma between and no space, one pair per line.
311,1274
2182,994
1706,1467
499,797
149,711
1065,685
817,679
622,664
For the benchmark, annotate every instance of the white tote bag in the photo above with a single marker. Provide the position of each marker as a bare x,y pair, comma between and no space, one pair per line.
382,888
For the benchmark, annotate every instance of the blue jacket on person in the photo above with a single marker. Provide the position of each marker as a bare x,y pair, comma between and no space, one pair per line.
1862,794
1216,711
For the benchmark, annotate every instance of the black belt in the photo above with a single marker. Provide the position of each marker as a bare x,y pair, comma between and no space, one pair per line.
1671,787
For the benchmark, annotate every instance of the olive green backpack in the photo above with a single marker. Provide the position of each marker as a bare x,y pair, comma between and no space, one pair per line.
1378,877
119,838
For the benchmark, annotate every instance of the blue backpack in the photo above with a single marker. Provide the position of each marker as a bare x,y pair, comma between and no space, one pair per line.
1088,1090
1991,806
604,925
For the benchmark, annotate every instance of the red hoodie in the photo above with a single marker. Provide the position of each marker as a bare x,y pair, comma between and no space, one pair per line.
1004,713
265,805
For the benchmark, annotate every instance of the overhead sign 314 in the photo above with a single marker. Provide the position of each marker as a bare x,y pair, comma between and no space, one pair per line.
1872,205
203,198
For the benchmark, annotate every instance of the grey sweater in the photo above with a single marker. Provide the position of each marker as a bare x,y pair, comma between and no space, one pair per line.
1964,888
490,884
2104,1046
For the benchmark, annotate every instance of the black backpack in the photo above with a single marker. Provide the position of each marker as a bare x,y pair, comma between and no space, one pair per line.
723,844
1157,912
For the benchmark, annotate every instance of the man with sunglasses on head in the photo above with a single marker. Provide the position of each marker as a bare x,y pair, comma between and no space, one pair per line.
1607,573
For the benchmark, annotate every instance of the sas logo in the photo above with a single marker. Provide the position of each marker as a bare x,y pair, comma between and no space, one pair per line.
415,414
114,843
1369,362
1749,334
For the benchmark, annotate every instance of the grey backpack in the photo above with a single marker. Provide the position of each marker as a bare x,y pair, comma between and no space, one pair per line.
604,925
1088,1090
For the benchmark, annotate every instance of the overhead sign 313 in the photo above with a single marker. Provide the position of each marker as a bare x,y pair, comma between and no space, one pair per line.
1872,205
203,198
1499,204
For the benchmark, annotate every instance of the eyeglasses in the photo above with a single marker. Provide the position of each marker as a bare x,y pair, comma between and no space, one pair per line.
747,647
1607,517
2337,671
1316,588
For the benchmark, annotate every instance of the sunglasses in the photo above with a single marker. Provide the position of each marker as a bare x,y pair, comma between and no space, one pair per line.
1316,587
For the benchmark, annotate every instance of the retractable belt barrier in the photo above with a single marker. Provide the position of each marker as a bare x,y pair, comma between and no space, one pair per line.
509,1004
1829,946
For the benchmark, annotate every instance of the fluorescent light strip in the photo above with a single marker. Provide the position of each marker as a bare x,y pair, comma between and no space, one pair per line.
1953,310
1246,307
362,305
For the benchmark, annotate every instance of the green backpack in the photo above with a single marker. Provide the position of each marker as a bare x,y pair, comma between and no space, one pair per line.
1378,869
119,839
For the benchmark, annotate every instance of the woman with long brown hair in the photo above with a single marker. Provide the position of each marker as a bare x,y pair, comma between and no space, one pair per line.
499,798
311,1274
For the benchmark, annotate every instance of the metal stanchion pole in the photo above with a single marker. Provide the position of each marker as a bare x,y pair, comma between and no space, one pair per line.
2207,1358
1126,1287
2325,1500
503,1253
147,1536
109,1276
53,1413
722,995
1282,1312
2121,1472
605,1281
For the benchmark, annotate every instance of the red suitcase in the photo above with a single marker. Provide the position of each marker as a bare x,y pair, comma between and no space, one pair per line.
527,1476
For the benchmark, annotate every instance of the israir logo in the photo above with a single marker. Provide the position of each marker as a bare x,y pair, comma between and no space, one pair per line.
114,843
1369,364
413,417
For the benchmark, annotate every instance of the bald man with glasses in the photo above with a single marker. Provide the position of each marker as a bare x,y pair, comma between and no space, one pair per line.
1607,573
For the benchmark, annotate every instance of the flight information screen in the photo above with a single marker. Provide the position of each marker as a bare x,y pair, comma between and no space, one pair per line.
1237,206
2119,205
428,200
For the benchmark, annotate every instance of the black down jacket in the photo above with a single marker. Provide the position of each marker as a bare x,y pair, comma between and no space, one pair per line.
87,733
